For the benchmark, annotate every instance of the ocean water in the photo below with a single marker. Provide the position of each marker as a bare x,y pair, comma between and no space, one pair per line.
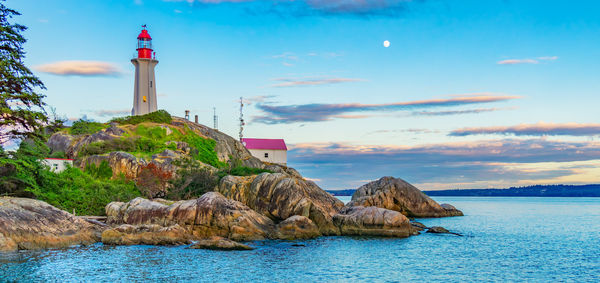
505,239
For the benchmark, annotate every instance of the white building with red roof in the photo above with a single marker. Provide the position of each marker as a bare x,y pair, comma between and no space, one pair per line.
58,164
267,150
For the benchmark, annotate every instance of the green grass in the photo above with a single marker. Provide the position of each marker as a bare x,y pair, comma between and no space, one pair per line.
146,141
83,127
160,116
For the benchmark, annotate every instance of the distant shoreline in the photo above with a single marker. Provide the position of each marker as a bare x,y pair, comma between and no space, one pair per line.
591,190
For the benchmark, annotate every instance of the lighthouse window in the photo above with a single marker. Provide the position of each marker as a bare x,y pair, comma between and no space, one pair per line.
150,83
144,98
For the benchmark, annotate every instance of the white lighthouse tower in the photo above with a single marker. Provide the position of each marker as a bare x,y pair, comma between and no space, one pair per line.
144,90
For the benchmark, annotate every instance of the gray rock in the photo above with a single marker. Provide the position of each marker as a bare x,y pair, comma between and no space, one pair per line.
280,196
220,243
372,221
398,195
28,224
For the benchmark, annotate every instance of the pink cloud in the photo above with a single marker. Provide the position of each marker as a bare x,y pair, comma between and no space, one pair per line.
80,68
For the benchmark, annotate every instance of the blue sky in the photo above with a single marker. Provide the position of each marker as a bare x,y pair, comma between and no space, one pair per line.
470,94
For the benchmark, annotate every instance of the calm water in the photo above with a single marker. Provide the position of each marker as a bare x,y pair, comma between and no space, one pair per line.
506,239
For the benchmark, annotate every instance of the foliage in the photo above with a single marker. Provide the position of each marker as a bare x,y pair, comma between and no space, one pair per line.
241,171
102,171
160,116
193,181
83,127
22,112
101,147
73,189
58,154
206,148
153,180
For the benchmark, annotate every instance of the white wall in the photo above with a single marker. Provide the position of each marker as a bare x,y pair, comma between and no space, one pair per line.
275,156
58,165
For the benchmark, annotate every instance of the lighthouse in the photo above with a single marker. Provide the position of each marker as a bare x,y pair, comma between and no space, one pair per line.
144,89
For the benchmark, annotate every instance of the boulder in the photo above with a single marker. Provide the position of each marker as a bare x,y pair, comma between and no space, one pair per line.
396,194
29,224
210,215
121,163
151,234
372,221
280,196
59,142
220,243
418,226
297,227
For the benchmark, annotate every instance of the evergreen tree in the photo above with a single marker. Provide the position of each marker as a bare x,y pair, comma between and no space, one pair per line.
22,112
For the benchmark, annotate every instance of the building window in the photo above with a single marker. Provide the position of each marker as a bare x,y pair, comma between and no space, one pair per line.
266,155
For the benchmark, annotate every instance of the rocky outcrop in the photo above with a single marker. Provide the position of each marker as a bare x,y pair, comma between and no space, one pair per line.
372,221
297,227
280,196
227,148
220,243
396,194
121,163
79,142
59,142
27,224
210,215
151,234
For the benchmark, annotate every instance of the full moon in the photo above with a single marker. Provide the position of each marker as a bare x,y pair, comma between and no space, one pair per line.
386,44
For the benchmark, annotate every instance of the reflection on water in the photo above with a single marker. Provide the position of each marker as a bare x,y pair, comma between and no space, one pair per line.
533,239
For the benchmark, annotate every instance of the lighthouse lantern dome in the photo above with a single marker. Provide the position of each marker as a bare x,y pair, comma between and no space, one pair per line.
144,44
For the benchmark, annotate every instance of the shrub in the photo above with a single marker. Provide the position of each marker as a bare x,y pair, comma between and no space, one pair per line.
102,171
82,127
193,181
160,116
101,147
153,181
58,154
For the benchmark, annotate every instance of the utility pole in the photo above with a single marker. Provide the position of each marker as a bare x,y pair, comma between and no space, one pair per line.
242,119
215,119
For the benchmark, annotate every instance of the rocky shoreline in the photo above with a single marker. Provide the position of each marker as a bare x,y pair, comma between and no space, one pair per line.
266,206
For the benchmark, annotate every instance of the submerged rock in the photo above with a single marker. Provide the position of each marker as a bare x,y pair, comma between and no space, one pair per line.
441,230
210,215
372,221
220,243
297,227
151,234
28,224
397,194
279,196
418,226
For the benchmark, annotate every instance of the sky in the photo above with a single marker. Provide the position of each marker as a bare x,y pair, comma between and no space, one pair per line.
469,94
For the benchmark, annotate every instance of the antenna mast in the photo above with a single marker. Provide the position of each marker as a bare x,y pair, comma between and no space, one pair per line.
215,119
242,119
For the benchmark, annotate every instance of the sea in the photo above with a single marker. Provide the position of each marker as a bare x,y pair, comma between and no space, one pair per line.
504,239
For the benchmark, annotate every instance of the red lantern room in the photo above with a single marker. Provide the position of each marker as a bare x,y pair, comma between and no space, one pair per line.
144,45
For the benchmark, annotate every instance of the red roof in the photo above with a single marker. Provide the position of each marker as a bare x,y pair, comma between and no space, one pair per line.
278,144
144,34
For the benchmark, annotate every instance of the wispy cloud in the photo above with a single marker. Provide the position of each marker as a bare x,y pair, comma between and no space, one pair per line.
111,113
412,130
282,114
539,129
290,82
527,61
457,112
80,68
386,8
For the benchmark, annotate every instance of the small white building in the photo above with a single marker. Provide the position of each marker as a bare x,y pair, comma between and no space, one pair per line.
267,150
58,164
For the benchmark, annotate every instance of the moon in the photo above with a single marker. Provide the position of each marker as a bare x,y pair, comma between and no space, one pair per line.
386,44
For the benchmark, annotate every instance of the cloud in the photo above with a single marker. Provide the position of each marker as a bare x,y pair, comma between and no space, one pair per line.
257,99
539,129
361,8
111,113
412,130
456,112
288,82
474,164
80,68
284,114
526,61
